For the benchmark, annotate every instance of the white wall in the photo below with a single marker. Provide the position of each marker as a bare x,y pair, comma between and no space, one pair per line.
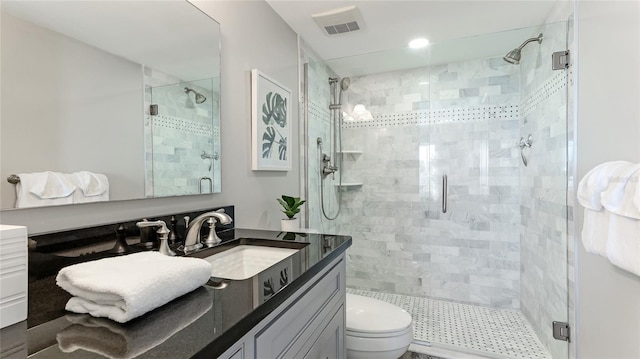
253,36
51,83
608,128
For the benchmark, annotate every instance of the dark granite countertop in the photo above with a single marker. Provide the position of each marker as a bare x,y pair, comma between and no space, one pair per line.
201,324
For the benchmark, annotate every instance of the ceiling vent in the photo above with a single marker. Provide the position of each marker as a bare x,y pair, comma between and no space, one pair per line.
339,21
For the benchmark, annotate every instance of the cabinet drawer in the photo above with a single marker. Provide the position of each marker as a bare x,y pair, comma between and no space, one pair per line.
276,338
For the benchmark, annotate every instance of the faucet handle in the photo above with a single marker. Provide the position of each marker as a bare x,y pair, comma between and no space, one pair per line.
163,232
212,238
163,226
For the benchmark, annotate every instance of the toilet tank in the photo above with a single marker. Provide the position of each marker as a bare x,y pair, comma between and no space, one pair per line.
13,274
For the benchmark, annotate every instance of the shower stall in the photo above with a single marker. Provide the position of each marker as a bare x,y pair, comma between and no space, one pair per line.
182,137
453,185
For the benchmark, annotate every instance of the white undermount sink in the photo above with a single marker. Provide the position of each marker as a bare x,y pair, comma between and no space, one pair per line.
245,261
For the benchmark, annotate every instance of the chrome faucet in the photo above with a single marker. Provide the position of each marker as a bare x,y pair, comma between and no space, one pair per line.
163,233
192,238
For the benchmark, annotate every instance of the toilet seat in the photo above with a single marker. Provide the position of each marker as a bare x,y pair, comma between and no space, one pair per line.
381,335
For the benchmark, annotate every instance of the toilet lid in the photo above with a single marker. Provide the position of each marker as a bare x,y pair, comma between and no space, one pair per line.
368,315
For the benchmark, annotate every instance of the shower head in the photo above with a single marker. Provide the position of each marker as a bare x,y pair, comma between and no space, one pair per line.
199,97
344,83
513,56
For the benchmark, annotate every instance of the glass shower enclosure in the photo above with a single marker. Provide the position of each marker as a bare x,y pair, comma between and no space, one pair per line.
454,178
183,139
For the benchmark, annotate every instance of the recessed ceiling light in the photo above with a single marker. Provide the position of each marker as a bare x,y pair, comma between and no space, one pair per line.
418,43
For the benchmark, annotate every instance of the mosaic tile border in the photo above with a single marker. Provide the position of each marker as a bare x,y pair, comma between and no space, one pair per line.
554,84
183,125
453,115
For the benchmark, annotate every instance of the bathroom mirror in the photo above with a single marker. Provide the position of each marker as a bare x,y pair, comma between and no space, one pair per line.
128,89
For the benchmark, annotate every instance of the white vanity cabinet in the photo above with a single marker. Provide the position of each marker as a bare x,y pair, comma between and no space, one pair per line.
309,324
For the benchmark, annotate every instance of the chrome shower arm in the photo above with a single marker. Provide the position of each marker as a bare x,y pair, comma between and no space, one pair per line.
538,39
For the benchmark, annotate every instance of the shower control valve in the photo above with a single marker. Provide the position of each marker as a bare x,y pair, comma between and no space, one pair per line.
328,169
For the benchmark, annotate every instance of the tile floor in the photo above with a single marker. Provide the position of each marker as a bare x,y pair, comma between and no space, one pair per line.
488,332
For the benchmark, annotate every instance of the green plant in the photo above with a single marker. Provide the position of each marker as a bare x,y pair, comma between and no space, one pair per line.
291,205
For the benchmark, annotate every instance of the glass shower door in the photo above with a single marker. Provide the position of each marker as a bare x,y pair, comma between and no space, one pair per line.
498,226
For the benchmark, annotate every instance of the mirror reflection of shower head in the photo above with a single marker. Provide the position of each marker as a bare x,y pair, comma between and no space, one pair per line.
199,97
513,56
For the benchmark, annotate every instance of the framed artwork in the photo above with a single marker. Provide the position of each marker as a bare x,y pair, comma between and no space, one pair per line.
270,124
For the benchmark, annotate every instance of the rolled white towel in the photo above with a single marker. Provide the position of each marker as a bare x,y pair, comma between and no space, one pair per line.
597,181
126,287
623,247
621,195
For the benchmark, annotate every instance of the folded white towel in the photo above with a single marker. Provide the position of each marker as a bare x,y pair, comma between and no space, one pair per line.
621,195
597,181
595,231
123,288
94,187
124,341
623,247
43,189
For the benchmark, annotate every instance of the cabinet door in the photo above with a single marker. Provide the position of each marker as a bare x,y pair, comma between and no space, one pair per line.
330,343
298,324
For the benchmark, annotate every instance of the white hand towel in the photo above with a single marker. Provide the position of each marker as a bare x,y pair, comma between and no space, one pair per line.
595,231
123,288
621,195
623,247
43,189
91,184
124,341
94,187
597,181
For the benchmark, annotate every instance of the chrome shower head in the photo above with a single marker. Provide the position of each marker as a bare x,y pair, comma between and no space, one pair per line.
199,97
513,56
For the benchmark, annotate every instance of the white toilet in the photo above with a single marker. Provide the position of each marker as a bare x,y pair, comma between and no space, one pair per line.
376,329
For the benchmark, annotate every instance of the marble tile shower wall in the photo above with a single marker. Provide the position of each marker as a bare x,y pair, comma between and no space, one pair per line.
543,182
318,126
459,119
178,135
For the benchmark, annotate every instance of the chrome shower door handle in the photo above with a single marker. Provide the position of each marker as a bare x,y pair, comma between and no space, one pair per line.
208,179
444,193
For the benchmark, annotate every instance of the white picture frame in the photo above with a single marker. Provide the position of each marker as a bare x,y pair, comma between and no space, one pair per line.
271,127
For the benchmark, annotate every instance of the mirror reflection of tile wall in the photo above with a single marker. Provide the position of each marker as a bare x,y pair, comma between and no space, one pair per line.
180,135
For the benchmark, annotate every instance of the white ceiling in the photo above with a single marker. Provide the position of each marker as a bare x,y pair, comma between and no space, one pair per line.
391,24
164,35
